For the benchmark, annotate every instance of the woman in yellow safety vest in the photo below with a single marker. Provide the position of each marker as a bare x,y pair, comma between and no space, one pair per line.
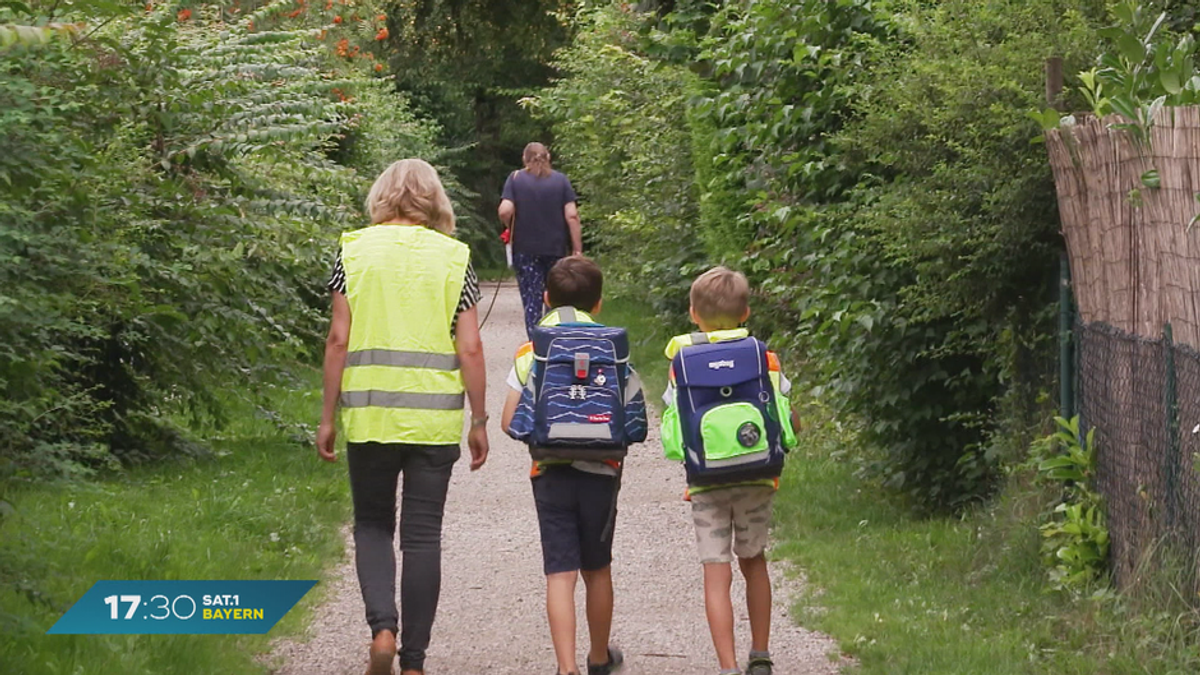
402,351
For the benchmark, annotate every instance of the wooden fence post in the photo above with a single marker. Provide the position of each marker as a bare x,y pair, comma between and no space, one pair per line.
1054,82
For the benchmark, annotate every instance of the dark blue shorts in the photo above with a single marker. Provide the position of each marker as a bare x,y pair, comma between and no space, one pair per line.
576,511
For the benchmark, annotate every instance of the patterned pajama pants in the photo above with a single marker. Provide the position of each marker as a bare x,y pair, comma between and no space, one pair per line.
531,280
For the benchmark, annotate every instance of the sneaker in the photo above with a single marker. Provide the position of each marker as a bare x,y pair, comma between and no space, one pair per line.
382,654
759,666
615,661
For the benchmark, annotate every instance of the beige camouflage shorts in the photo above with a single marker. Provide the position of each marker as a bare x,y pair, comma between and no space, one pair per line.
732,521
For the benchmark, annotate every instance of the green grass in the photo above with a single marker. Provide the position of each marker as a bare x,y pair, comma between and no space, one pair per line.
648,338
261,507
489,275
908,594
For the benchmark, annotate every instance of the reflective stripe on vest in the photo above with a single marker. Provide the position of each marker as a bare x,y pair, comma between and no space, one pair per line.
401,399
680,341
392,357
565,314
402,382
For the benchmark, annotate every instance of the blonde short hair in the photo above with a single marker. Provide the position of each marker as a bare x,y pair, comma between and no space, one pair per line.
721,297
409,190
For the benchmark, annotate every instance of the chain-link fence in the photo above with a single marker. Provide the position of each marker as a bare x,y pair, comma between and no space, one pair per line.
1142,396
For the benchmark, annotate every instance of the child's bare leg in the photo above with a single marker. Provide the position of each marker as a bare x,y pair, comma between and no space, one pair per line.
599,612
758,600
560,611
718,577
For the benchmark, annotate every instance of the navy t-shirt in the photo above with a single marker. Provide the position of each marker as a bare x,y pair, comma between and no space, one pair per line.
541,227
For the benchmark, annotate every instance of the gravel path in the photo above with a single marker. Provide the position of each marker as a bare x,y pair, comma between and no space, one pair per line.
491,618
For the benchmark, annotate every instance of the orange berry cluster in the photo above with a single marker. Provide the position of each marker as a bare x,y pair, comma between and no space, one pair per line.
340,15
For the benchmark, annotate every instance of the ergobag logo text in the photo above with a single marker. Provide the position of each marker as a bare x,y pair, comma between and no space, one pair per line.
728,413
577,402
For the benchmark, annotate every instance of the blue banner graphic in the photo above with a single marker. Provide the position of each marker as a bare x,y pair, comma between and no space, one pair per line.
181,607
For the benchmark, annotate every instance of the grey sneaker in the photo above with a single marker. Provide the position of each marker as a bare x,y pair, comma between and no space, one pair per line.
759,666
616,660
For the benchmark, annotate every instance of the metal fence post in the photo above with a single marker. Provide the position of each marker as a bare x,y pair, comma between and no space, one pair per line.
1066,378
1171,401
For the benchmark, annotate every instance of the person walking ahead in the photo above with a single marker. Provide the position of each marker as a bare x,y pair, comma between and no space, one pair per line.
539,206
403,346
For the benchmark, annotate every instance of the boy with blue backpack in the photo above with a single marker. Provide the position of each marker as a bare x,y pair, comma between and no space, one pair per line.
578,404
728,419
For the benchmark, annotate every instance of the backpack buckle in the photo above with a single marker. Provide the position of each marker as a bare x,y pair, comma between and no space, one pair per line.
582,362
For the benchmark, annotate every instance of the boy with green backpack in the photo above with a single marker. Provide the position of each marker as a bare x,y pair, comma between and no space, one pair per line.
729,420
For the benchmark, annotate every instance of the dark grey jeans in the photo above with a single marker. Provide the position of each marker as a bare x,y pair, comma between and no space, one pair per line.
374,472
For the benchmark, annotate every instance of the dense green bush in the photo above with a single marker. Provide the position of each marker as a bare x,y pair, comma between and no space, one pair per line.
171,187
962,216
870,166
784,78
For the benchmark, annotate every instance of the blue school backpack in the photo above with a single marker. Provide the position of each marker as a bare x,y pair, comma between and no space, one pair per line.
728,413
575,403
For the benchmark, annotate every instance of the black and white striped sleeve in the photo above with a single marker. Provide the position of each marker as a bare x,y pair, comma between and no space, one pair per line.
337,280
471,295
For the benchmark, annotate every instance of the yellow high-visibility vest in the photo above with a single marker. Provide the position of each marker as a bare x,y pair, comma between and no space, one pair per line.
402,382
680,341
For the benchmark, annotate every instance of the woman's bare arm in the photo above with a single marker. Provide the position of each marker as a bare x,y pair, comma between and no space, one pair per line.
571,212
336,345
469,346
507,212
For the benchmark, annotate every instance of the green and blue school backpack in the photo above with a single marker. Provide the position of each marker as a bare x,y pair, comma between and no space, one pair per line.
729,417
576,402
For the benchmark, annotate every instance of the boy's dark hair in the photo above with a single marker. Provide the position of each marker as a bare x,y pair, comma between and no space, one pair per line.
576,281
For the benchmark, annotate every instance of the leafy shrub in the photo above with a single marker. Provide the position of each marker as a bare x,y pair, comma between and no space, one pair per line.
1075,534
907,239
960,211
171,200
869,165
784,75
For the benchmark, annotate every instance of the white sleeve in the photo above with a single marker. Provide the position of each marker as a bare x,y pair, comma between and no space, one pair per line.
633,386
512,381
785,385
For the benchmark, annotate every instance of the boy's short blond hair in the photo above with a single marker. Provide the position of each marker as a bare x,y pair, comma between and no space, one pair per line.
410,191
721,297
